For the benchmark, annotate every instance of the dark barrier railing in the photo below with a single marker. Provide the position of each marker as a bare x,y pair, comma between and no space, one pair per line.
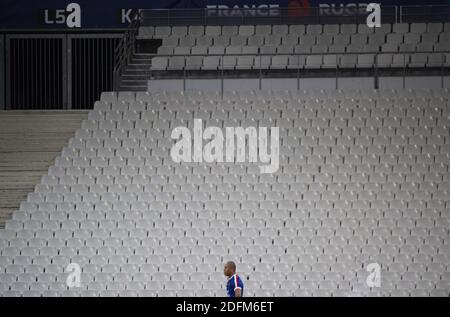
324,14
35,72
264,15
91,64
55,71
424,13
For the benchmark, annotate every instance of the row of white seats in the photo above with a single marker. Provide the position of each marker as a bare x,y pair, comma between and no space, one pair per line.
126,225
170,260
213,293
329,195
126,282
341,168
413,237
313,29
205,272
277,41
306,111
200,279
97,212
138,210
306,165
122,210
163,127
324,131
347,239
316,142
403,174
399,135
139,195
299,95
419,239
227,62
217,284
201,107
165,261
156,255
338,172
308,48
263,110
248,206
301,281
176,252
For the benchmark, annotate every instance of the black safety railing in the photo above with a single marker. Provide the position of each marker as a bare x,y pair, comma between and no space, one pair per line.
324,14
55,71
338,63
424,13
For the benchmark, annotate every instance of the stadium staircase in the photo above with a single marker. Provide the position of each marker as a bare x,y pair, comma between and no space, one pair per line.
29,144
136,73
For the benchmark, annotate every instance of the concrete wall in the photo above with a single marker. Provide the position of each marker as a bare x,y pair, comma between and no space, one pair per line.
427,82
165,84
203,84
303,83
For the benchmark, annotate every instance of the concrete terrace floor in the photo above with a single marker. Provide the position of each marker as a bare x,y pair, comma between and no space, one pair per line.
29,143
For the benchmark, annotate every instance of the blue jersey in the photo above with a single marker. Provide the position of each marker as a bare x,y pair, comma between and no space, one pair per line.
234,283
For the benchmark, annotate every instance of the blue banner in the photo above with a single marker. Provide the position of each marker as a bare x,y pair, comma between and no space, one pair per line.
51,14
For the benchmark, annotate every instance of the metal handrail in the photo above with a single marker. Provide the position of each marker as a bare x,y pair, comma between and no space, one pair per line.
206,16
125,48
301,54
397,13
375,66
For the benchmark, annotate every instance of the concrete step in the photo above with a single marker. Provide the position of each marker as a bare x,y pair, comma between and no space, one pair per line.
140,60
138,76
143,66
11,198
143,55
38,121
136,73
134,88
5,214
29,143
33,142
133,81
22,159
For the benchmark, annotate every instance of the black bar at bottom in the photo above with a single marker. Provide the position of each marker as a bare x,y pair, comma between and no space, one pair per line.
224,306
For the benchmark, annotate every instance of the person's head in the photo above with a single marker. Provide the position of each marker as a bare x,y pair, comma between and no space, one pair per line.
229,269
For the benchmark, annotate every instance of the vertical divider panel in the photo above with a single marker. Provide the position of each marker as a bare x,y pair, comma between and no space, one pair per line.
2,72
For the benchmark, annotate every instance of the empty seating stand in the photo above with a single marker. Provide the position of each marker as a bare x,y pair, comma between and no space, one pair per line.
363,178
418,44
